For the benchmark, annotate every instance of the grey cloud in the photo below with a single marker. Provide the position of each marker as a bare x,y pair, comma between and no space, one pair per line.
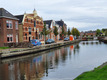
83,14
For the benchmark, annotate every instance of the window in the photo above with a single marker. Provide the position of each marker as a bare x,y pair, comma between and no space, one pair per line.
26,35
16,25
33,29
25,28
26,20
40,36
30,30
33,37
31,20
37,22
9,24
9,38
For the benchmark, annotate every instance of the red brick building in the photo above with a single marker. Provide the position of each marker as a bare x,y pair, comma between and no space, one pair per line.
88,34
8,27
30,27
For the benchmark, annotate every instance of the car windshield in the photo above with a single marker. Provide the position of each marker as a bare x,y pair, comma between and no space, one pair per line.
37,40
32,41
49,40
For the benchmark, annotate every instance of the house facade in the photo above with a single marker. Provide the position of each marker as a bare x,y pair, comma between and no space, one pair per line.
8,27
88,34
62,24
30,27
50,25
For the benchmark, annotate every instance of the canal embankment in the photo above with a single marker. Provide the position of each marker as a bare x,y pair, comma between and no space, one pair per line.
34,50
103,39
99,73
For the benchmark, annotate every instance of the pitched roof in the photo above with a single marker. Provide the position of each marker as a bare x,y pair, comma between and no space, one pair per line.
61,23
4,13
90,32
20,17
48,22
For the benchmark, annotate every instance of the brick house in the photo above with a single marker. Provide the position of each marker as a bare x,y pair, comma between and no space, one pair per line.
62,24
8,27
88,34
30,27
50,24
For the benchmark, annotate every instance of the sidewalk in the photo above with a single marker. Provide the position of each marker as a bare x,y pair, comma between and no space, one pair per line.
11,49
20,49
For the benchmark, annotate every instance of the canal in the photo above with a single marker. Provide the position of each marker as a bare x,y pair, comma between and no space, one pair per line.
64,63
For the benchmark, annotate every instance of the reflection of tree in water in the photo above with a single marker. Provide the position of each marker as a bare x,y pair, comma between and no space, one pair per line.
64,54
56,58
76,49
70,52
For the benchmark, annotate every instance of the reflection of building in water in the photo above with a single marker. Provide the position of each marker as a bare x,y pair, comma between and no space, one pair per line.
63,54
4,72
35,68
11,68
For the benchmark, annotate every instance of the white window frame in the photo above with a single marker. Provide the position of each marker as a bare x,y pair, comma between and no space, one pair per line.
10,24
10,36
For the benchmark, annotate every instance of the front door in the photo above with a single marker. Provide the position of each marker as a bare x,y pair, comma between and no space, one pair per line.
16,38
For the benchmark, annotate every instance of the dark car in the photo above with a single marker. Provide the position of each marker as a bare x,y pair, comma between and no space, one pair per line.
35,42
66,39
49,41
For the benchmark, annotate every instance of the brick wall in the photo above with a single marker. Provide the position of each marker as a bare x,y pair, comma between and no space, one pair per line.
4,31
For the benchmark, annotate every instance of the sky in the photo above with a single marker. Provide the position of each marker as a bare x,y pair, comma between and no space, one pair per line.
82,14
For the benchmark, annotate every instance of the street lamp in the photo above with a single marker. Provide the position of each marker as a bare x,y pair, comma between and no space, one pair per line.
36,34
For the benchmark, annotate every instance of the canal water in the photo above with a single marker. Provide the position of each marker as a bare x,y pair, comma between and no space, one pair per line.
64,63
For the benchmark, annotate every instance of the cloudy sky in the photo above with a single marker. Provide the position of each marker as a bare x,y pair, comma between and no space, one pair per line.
82,14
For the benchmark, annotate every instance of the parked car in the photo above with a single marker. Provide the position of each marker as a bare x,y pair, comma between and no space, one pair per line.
49,41
66,39
35,42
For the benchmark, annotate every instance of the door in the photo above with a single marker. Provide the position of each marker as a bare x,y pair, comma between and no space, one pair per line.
16,38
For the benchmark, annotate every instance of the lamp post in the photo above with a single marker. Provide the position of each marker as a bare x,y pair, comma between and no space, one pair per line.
36,34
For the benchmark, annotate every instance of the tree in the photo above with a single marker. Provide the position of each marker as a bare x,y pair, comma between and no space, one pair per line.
63,33
45,32
69,33
75,32
105,33
98,32
55,31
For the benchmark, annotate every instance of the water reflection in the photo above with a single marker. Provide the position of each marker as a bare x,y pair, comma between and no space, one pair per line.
40,67
37,67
